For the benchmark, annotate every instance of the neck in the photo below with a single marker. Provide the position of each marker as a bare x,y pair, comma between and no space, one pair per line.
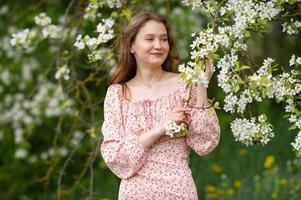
149,75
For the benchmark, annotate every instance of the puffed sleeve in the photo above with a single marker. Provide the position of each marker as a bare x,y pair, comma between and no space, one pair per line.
204,129
122,152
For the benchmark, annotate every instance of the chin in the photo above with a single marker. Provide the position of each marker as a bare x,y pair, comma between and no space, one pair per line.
156,63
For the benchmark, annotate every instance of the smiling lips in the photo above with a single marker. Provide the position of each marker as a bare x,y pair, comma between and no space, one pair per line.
157,54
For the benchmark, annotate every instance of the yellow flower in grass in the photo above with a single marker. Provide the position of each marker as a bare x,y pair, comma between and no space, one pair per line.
283,181
237,183
298,187
212,196
216,168
242,152
230,192
274,195
212,192
269,162
211,189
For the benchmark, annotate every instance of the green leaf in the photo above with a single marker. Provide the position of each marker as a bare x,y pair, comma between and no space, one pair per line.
293,127
213,56
235,88
248,34
240,68
183,75
216,105
91,132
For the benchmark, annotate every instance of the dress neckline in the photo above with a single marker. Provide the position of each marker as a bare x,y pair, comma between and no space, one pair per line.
139,101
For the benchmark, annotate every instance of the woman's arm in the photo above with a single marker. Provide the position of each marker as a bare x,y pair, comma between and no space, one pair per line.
204,130
202,100
150,137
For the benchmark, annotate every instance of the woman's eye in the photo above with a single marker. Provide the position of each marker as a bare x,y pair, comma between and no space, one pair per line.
164,39
149,39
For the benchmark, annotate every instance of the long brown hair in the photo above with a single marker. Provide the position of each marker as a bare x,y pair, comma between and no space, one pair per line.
127,66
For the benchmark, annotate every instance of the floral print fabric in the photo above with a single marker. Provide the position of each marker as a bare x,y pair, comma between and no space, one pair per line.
161,172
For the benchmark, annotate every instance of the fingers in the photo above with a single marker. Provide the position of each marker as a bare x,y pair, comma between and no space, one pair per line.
209,63
180,116
180,119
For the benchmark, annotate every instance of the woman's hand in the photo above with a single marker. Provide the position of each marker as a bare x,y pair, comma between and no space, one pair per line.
177,115
201,89
148,138
209,69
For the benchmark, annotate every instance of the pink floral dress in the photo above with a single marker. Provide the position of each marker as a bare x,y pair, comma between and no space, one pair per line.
161,172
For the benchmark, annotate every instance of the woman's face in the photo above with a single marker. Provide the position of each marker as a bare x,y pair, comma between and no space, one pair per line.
151,45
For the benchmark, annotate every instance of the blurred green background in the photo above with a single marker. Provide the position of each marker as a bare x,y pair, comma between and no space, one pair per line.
54,168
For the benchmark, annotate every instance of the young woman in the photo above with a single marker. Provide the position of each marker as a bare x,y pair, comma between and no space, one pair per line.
144,95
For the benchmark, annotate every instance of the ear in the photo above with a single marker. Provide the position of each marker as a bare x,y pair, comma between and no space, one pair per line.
132,50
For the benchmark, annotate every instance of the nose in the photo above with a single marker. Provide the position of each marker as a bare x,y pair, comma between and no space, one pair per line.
157,44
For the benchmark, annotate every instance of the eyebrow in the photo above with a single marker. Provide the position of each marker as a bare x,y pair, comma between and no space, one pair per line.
163,35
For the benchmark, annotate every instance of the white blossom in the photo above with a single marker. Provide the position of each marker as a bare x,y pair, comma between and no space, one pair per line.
92,42
172,128
21,153
63,72
77,137
4,9
63,151
292,60
291,27
52,31
42,19
230,103
114,3
79,42
248,131
297,144
23,38
244,99
105,34
91,11
193,4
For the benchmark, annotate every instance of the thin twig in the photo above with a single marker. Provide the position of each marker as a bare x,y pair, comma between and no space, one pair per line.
64,167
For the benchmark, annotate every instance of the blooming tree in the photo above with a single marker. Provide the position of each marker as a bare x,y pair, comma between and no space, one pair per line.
82,51
226,42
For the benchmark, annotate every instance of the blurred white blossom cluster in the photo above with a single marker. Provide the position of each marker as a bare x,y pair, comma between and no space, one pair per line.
237,22
63,72
297,144
92,10
295,61
20,112
48,101
105,34
194,4
44,29
292,27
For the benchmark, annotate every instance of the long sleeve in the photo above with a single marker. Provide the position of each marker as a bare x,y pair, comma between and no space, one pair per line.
122,152
204,129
